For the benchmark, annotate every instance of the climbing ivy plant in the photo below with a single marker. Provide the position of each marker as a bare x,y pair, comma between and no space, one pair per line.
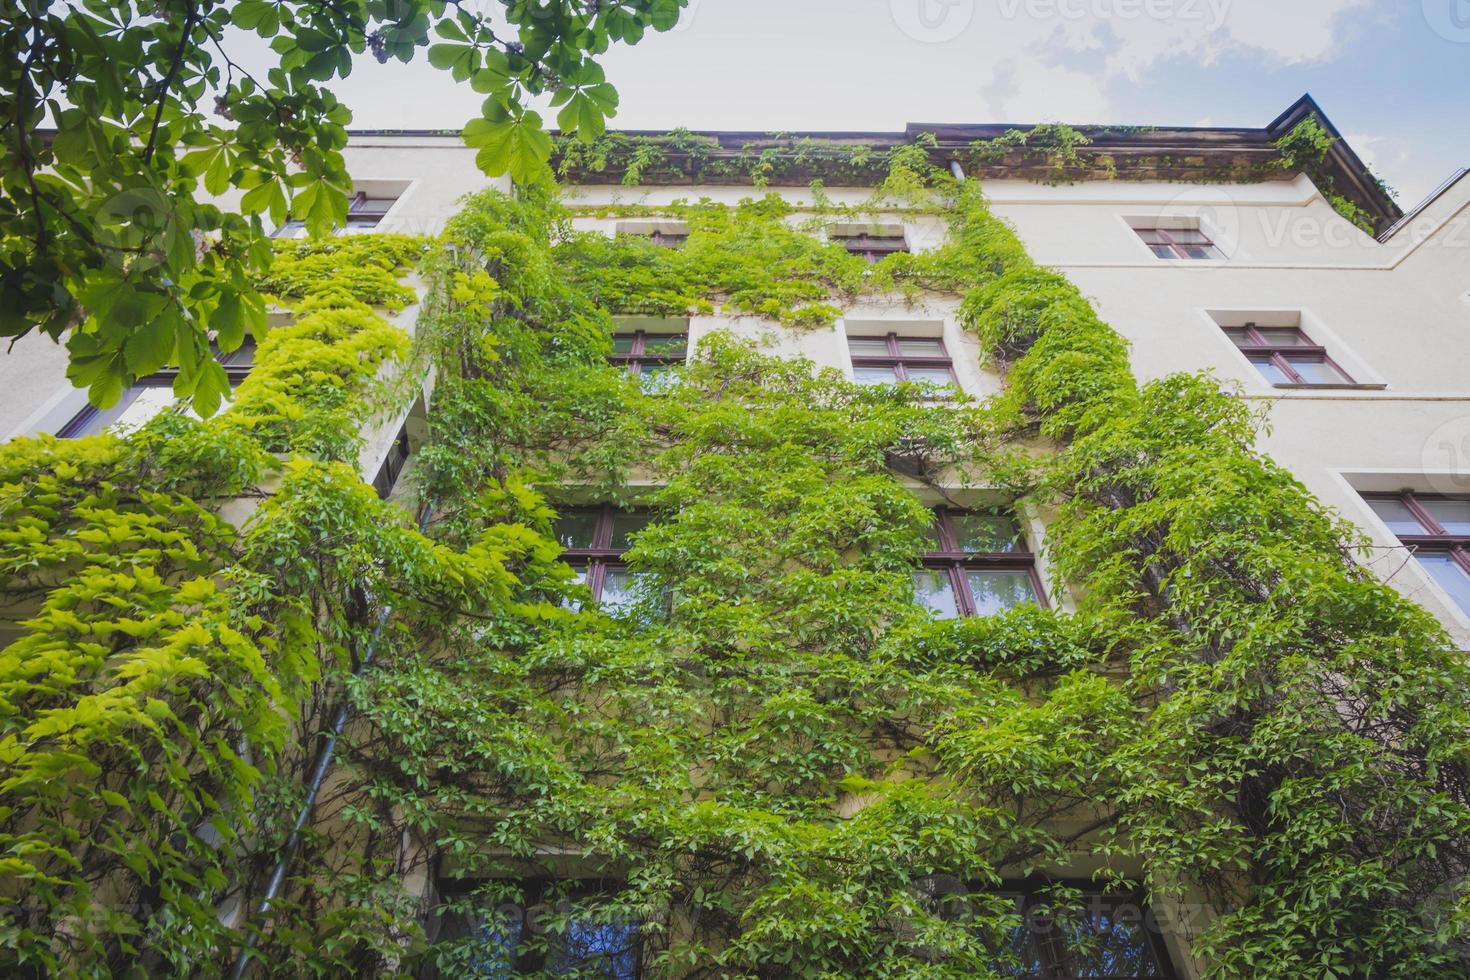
781,759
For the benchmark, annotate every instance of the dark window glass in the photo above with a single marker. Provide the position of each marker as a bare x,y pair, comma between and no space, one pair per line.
1087,932
594,540
1287,356
1437,529
650,356
891,359
977,565
872,247
1180,243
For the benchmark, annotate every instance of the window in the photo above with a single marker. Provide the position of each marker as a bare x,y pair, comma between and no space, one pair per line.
888,359
1437,529
1179,243
393,463
1092,933
591,945
1287,356
646,356
363,214
871,246
976,564
152,395
595,539
665,234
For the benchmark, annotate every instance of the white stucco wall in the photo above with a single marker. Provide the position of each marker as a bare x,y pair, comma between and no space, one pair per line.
1396,315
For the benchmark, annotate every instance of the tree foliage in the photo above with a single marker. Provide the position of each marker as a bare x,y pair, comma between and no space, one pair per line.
781,758
136,229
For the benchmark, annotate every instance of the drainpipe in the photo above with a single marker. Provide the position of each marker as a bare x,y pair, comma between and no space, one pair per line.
957,170
314,785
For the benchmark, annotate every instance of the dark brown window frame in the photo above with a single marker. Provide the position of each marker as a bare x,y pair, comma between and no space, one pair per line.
1278,353
873,247
236,371
1438,540
601,555
898,361
393,463
1178,248
1052,950
358,215
956,561
638,356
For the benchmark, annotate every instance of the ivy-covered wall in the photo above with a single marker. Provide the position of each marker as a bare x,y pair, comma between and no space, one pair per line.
775,753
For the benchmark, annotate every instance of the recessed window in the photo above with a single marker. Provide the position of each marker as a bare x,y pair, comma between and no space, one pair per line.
1287,356
872,244
665,234
1436,529
975,564
364,212
649,356
152,395
890,358
1179,243
594,539
1086,931
514,938
393,463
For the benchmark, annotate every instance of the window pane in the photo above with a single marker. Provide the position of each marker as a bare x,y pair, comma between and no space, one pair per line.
868,346
1398,517
654,378
929,375
1283,336
1107,938
576,526
625,525
619,588
607,949
494,954
1200,251
1453,515
1449,575
1239,336
984,533
1163,251
1316,371
622,343
1150,235
874,376
1270,371
914,347
665,345
932,590
995,591
1188,236
242,356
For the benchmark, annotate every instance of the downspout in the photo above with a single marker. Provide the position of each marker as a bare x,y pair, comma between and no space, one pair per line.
957,170
314,786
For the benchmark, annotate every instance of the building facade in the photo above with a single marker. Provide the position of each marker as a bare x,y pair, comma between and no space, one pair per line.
1207,255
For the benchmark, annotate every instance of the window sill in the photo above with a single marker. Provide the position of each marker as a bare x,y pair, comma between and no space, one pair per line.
1330,387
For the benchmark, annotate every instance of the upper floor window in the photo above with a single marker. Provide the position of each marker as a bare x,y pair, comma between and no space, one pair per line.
152,395
594,539
976,563
869,242
1287,356
665,234
393,463
364,212
515,939
889,358
647,355
1179,243
1437,529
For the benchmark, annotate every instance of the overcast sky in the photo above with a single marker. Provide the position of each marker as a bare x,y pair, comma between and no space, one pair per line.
1394,75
